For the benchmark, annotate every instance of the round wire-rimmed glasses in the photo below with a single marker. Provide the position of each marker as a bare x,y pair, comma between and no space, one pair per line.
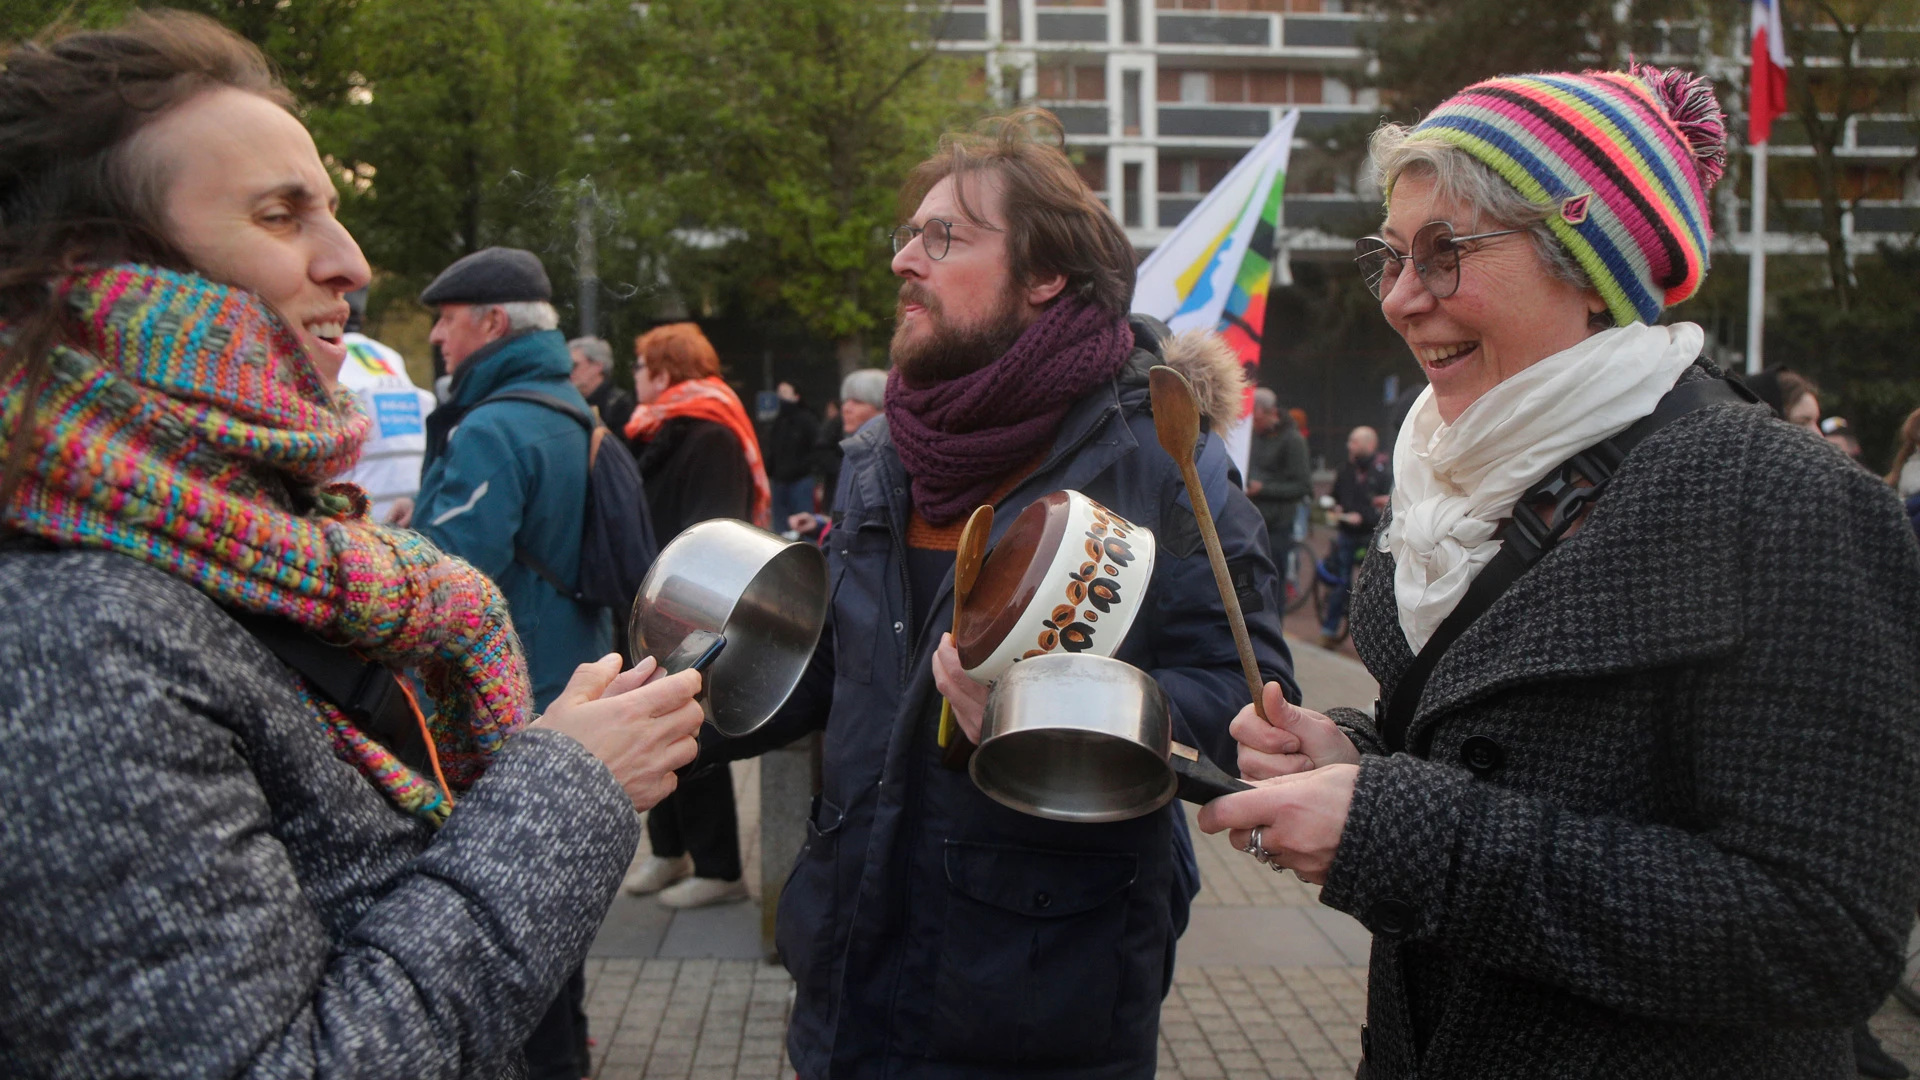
1435,255
936,236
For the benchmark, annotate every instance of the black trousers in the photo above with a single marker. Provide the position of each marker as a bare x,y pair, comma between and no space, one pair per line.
557,1049
699,819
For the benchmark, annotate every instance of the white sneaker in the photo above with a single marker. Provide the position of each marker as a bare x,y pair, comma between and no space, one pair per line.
701,891
657,873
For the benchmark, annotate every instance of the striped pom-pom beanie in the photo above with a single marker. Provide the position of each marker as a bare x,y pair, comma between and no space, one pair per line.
1623,159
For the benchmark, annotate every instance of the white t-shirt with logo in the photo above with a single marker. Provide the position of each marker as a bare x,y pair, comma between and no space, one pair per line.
389,467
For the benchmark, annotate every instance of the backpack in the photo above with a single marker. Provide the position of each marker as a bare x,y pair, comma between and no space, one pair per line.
617,546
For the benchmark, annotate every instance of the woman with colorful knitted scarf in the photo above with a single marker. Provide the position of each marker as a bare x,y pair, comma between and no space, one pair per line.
1638,796
217,866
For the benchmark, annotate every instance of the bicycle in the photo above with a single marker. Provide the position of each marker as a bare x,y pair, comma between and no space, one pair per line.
1308,578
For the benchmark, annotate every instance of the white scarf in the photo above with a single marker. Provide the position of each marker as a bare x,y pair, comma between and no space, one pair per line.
1454,483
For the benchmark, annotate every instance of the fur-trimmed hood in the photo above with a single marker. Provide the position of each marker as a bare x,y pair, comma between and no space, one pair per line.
1219,381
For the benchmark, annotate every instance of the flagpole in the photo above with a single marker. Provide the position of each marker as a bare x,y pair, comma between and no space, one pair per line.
1757,259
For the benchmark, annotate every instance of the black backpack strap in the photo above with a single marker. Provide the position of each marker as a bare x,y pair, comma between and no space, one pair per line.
365,690
579,416
1527,536
586,420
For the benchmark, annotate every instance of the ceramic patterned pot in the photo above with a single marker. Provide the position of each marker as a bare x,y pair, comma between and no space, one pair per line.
1068,576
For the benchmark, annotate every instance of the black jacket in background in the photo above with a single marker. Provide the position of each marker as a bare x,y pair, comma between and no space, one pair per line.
1278,460
827,455
694,471
614,405
789,444
1354,487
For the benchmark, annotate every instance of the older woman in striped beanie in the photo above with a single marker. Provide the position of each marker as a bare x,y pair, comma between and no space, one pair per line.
1639,794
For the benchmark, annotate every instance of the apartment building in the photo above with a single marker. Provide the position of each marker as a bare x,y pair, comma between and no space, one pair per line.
1161,97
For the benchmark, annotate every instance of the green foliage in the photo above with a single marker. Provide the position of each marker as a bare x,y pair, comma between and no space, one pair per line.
790,130
457,131
24,19
1429,49
1863,359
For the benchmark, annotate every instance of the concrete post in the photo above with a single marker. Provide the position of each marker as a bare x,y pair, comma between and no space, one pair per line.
789,777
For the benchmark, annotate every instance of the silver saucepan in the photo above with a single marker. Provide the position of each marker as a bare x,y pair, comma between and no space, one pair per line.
1079,737
763,596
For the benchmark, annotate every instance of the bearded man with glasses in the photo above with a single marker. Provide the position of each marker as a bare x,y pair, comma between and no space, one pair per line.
931,931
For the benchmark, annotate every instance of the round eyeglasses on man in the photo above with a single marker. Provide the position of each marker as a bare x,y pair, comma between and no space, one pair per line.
936,236
1435,254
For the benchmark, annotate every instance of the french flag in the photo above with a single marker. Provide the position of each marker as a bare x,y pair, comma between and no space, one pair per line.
1767,81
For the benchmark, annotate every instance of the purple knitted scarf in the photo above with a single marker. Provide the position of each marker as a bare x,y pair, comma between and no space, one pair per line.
959,439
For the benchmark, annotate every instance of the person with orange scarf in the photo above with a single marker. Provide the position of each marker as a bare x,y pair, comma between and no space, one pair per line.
701,460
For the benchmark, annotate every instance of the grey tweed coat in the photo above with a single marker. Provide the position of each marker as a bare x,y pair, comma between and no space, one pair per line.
1669,822
194,886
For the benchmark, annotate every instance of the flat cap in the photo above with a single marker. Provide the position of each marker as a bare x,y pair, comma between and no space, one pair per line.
495,275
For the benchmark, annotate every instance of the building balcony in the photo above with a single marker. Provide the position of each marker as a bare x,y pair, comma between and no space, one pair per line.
1870,220
1260,31
1070,27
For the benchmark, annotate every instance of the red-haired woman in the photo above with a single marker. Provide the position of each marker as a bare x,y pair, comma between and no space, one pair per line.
701,460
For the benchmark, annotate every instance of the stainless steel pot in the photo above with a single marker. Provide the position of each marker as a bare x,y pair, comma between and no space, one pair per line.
765,595
1079,737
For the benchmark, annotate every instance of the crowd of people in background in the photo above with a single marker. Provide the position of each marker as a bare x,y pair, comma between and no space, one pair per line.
1596,844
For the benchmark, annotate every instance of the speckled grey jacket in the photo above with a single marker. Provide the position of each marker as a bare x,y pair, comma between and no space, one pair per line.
1669,825
194,886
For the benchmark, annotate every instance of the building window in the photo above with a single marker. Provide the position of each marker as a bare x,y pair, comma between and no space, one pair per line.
1130,200
1059,82
1234,6
1130,103
1194,87
1092,168
1182,174
1009,20
1130,21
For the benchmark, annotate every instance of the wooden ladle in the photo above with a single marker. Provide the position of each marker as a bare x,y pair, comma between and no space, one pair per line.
966,568
1176,420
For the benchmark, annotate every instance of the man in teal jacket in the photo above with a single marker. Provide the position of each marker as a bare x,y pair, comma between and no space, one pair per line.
504,487
505,483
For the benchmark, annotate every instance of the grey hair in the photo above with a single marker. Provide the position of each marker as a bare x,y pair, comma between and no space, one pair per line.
595,350
1265,398
868,385
1397,152
524,314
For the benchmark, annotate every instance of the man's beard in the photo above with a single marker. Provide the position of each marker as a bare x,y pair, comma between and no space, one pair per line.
947,353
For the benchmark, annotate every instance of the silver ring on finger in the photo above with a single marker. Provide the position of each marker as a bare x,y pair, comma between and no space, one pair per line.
1257,848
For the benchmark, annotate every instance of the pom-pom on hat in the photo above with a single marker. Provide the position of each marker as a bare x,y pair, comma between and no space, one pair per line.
1625,161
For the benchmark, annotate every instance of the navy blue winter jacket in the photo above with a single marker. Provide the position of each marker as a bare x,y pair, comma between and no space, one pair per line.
933,932
514,473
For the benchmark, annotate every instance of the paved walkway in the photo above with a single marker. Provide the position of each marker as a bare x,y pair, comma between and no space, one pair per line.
1269,982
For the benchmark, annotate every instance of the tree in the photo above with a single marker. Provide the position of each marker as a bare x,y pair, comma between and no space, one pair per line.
1862,358
1847,58
457,132
1429,49
791,131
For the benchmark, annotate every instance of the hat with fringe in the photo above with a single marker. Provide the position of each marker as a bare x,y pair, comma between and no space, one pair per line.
1624,161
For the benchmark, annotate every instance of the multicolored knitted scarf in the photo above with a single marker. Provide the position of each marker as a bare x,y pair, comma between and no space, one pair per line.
183,425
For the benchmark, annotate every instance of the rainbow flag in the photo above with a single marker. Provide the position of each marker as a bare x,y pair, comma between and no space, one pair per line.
1213,271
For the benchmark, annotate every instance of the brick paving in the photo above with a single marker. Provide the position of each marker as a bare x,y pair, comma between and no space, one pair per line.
1270,983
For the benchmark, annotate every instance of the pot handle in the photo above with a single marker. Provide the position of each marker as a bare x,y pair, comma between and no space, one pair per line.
1199,779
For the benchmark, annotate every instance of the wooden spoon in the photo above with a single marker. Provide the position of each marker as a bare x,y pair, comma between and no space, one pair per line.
1176,420
966,567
